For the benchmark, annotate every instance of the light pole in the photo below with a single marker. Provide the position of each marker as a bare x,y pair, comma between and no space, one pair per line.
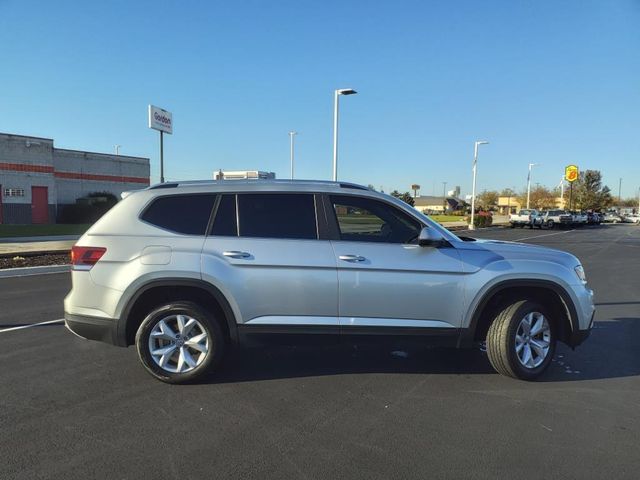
473,189
117,149
529,182
291,135
337,93
444,197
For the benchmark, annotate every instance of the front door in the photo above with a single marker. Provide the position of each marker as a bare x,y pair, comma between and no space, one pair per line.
265,251
385,279
39,205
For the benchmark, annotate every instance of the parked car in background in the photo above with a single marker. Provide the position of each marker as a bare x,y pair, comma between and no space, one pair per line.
556,218
633,218
594,218
529,218
579,218
611,217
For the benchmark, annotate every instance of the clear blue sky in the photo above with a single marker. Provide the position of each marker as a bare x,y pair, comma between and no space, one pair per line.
552,82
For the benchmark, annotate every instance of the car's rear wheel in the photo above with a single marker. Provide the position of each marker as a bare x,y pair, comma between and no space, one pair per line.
180,342
521,340
550,224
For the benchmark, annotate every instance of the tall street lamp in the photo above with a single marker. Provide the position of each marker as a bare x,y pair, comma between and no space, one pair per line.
291,135
473,189
529,182
337,93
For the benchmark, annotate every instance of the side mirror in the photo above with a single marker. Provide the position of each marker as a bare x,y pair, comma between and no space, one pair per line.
430,237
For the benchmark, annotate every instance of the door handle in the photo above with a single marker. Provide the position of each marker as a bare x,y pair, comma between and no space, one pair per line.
352,258
236,254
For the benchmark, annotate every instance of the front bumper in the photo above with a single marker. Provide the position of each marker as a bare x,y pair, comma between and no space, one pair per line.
93,328
579,336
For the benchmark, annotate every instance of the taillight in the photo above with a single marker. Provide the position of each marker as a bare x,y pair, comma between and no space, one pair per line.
83,258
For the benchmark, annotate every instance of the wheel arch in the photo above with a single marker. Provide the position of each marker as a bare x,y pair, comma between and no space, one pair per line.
170,289
537,289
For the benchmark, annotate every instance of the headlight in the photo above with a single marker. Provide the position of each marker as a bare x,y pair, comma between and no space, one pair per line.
580,273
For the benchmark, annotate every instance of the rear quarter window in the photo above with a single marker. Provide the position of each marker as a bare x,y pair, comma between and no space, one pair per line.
185,214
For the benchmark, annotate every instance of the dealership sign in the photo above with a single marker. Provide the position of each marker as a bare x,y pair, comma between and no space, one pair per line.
160,119
571,173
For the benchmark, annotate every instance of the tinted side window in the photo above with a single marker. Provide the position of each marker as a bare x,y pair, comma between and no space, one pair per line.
366,220
225,221
187,214
277,215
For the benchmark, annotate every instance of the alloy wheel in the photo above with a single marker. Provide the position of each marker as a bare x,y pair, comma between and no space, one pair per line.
533,338
178,343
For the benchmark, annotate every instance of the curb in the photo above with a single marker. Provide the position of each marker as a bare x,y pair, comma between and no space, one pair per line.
33,253
27,271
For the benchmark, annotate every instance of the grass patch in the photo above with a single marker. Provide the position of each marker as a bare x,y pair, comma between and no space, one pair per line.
448,218
42,230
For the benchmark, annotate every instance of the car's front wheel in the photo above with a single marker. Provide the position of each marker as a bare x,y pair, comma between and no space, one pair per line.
521,340
180,342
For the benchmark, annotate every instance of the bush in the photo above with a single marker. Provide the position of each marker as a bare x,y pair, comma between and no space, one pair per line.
87,209
482,219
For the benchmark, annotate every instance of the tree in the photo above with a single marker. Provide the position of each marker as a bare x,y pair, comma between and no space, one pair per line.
405,197
415,187
589,193
487,199
540,198
629,202
371,187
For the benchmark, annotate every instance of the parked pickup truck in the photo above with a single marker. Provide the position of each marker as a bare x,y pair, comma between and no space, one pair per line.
530,218
556,218
579,218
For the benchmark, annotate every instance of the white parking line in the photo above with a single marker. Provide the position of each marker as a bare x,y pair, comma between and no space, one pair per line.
540,236
60,320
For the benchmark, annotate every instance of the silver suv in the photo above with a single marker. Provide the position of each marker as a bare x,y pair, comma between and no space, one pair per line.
186,270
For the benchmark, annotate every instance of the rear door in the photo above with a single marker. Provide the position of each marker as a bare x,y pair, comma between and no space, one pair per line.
265,254
385,279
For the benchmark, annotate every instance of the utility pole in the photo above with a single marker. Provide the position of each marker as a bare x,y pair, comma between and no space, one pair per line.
117,149
444,197
620,192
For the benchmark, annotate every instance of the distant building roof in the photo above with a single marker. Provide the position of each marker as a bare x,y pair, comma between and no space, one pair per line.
428,200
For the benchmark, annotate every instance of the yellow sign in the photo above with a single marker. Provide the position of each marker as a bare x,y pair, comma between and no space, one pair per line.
571,173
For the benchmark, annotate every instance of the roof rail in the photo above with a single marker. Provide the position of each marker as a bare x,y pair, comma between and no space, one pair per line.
354,186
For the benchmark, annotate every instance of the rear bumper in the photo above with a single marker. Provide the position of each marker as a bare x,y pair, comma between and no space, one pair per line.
93,328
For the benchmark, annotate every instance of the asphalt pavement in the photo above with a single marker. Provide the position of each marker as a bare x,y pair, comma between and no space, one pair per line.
71,408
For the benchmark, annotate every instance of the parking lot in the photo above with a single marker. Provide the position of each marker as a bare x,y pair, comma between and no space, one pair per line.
71,408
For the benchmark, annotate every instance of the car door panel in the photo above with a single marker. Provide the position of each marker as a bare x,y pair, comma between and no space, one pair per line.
384,277
398,281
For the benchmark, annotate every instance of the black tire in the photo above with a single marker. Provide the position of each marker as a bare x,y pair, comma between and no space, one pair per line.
550,224
208,323
501,340
513,225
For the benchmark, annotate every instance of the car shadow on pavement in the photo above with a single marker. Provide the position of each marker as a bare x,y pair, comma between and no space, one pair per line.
611,352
